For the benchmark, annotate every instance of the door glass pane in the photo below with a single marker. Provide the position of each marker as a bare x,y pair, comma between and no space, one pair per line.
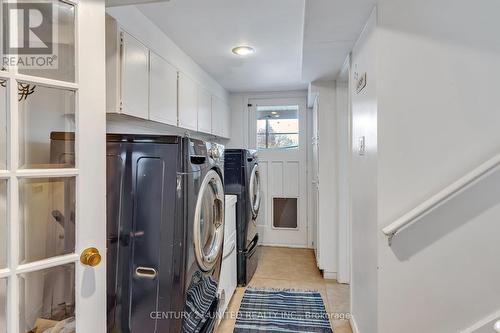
3,224
45,115
47,218
58,62
278,127
47,300
3,123
3,306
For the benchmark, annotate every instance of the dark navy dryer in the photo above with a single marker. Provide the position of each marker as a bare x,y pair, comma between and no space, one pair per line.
242,178
165,223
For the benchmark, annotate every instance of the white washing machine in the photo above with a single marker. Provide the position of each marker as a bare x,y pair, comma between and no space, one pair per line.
228,274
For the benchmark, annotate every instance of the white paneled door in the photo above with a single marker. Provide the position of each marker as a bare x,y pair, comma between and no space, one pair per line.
52,168
278,130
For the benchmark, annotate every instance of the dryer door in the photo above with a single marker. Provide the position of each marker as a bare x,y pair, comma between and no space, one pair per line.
208,229
254,191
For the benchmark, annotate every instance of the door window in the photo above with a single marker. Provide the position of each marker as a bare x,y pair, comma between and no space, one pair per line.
278,127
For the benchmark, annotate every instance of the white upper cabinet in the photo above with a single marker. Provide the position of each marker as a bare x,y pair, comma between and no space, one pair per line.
143,84
188,102
220,117
216,116
163,91
226,129
135,77
204,111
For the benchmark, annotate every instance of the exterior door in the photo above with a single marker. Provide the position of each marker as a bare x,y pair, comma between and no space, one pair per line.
52,191
278,130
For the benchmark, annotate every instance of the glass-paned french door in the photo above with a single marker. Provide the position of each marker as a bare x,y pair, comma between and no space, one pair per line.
44,193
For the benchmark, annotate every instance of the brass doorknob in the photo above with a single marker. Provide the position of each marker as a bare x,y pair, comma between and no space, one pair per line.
90,257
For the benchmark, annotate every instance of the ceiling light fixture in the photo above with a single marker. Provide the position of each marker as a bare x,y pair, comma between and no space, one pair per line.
243,50
274,112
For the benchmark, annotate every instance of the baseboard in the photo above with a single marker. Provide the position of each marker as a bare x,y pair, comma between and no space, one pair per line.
489,320
354,327
329,275
285,245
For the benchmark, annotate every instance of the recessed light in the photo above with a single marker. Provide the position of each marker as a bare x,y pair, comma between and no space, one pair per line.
274,112
243,50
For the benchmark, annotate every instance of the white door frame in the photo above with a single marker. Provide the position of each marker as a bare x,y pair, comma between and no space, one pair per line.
90,119
344,167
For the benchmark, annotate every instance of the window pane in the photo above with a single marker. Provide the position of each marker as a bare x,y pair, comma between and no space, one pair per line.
47,299
283,141
284,126
277,127
60,64
261,141
3,224
47,218
45,114
3,123
3,306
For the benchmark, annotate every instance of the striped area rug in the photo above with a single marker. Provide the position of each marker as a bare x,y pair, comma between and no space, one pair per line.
275,310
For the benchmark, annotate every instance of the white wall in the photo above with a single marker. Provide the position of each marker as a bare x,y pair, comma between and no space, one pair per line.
364,185
135,23
343,154
327,218
439,116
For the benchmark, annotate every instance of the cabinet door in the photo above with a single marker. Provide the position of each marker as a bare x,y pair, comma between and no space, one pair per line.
188,102
163,91
204,111
217,119
135,77
226,125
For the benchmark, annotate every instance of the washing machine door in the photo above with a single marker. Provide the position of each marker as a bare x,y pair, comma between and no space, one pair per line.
208,231
254,191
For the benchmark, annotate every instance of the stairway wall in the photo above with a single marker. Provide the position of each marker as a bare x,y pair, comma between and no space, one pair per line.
438,63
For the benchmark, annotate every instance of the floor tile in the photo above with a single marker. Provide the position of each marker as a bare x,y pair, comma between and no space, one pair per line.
290,268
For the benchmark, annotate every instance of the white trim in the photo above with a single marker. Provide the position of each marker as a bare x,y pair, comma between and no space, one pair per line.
329,275
46,173
12,75
47,263
5,272
482,323
354,326
13,211
344,227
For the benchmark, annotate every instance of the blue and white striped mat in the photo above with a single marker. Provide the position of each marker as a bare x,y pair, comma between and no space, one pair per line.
274,310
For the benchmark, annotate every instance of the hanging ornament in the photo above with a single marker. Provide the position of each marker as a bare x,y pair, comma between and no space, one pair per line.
24,90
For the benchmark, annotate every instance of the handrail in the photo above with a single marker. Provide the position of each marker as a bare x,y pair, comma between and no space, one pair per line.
391,230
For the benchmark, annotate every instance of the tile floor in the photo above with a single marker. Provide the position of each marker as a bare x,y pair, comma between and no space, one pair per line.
296,269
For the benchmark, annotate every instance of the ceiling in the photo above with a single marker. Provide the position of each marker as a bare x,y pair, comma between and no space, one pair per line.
296,41
330,31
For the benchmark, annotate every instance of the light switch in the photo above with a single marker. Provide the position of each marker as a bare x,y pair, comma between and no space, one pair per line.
361,146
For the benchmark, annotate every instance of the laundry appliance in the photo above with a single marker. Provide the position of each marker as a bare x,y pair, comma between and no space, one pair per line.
165,229
242,178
